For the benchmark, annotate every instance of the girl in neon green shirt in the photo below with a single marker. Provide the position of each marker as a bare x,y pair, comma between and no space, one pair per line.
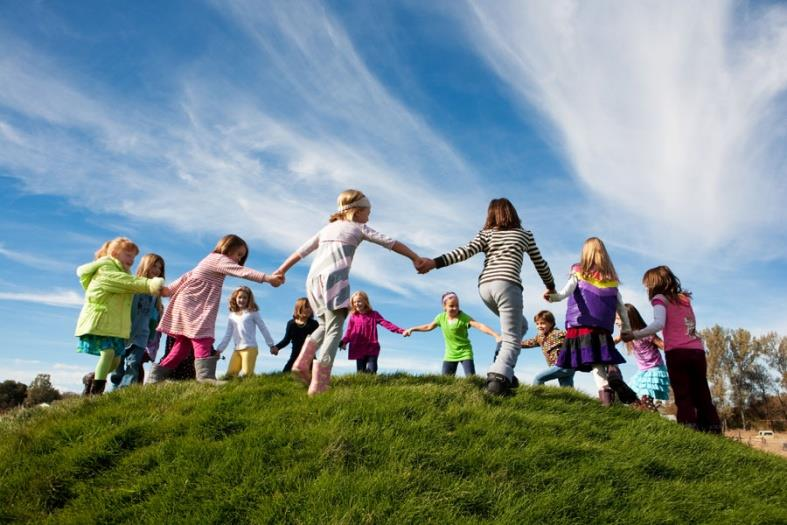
455,325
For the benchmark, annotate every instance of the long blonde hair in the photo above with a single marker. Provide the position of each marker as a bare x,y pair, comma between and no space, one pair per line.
363,296
595,261
143,270
347,197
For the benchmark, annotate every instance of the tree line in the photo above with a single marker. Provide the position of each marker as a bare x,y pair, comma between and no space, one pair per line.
14,394
747,376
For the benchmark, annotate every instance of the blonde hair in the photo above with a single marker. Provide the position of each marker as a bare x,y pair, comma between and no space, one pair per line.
363,296
229,243
143,270
299,312
120,244
250,306
347,197
103,251
595,262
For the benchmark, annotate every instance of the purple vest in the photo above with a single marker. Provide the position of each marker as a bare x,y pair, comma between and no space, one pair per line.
592,306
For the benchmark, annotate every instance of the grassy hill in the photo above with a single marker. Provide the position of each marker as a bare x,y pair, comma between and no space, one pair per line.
386,449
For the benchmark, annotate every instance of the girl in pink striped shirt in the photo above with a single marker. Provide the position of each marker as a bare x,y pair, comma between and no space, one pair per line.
190,316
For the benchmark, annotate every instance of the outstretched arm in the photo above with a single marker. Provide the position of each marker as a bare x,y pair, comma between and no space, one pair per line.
567,290
421,328
483,328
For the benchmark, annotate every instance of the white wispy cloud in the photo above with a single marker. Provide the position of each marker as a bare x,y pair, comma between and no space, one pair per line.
224,156
32,260
58,297
671,115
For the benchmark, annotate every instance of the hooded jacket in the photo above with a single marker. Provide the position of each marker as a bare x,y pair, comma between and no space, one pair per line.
109,290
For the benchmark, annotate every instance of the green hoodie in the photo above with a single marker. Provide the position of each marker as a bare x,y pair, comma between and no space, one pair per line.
109,289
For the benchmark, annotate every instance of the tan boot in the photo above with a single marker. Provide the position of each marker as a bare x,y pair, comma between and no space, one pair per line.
302,367
321,378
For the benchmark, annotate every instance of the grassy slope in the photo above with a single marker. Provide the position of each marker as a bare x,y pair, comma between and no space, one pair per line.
387,449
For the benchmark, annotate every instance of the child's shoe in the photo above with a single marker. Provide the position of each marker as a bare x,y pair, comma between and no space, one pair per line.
302,367
157,374
606,396
97,388
321,378
206,370
497,384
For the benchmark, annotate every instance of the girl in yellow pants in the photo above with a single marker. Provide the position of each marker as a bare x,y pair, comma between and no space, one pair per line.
242,325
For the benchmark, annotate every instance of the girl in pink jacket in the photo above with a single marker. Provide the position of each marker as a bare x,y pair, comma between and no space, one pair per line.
361,333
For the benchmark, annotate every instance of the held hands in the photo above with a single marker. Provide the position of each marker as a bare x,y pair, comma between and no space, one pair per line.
274,350
275,279
164,292
407,333
627,336
424,265
548,294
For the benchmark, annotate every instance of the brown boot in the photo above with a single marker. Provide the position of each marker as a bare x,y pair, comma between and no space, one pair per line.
97,388
606,396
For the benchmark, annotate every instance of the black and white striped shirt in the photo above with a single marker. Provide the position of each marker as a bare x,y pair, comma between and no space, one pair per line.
504,251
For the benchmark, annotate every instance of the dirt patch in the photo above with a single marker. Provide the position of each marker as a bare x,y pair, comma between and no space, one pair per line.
775,445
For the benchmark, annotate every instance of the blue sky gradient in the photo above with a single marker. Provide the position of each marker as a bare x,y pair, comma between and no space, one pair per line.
659,127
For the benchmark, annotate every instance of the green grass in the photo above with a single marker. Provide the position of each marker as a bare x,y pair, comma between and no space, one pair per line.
385,449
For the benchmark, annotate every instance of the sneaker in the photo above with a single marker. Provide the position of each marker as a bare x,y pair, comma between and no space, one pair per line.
497,385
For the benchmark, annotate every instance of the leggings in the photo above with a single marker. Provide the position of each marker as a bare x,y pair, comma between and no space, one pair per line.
243,361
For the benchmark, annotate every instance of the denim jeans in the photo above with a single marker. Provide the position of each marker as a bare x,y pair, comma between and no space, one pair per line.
127,372
564,376
468,366
367,364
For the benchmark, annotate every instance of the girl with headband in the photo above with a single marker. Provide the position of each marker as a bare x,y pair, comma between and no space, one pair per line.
328,282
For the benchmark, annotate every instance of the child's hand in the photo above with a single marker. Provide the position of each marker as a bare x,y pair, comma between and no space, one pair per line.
424,265
342,345
274,279
627,336
407,333
499,338
548,294
274,350
165,292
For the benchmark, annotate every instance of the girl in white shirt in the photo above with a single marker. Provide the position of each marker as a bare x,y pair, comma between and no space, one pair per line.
242,325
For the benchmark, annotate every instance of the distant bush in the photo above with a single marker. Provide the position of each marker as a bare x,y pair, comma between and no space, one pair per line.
41,391
12,394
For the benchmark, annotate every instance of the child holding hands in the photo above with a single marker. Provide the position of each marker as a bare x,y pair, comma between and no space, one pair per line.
190,316
328,282
504,242
361,333
683,348
243,322
298,329
105,320
593,300
550,339
455,325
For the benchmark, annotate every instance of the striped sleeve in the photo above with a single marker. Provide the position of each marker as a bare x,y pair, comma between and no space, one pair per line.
540,264
462,253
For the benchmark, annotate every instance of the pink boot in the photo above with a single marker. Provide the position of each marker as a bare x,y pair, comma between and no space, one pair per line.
302,367
321,377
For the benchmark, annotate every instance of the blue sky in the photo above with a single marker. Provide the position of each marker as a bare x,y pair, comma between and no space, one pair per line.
657,126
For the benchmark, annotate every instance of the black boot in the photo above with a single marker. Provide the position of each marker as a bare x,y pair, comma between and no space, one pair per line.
497,384
98,387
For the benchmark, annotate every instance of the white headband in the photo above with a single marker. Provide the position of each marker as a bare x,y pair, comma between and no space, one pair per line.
363,202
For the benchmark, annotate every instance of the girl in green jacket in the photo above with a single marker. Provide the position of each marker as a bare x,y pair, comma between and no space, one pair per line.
105,320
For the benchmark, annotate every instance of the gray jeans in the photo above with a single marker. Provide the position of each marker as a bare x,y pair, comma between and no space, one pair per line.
328,334
505,301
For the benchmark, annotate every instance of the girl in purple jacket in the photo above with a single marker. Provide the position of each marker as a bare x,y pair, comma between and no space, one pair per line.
361,333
